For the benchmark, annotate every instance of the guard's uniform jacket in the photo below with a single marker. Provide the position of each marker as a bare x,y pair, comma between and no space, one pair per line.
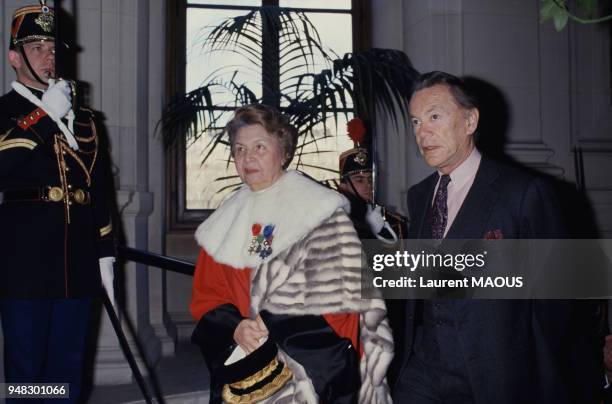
54,211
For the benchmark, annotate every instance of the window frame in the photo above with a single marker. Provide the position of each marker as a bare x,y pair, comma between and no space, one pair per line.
179,218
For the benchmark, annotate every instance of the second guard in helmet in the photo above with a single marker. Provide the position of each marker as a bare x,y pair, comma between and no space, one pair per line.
370,220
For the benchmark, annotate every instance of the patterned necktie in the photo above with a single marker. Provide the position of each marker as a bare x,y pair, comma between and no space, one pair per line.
439,210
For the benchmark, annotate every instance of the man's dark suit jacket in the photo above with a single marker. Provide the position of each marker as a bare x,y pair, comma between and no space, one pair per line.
518,351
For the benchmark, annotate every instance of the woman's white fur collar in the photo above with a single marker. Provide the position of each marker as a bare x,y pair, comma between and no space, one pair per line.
294,205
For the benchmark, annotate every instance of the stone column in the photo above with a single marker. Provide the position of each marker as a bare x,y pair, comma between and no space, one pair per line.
115,61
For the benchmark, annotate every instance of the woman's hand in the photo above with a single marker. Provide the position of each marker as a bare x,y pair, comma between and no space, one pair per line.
261,324
249,332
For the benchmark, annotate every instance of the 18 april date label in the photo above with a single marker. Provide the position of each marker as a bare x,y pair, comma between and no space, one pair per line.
34,390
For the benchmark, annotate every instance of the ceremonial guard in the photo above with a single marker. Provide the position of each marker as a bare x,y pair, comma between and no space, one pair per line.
57,240
370,220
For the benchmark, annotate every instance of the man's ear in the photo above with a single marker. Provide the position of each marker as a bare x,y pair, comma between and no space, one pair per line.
472,117
15,59
344,187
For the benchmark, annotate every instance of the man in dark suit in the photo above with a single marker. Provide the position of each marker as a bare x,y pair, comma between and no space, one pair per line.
484,351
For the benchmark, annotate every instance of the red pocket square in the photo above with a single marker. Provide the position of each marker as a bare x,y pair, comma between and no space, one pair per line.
494,235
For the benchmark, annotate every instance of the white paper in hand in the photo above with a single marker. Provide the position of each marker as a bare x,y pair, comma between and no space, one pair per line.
238,353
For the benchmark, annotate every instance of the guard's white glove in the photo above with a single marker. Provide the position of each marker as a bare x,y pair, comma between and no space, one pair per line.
108,274
57,98
374,218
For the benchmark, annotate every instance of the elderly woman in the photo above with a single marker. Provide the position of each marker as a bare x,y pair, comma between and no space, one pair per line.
279,274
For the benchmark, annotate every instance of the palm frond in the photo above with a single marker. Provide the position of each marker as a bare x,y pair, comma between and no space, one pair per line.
315,85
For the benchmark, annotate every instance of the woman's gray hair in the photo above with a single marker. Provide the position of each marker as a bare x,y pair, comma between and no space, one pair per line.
272,120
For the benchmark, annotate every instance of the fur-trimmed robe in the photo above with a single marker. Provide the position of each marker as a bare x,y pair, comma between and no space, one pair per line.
314,272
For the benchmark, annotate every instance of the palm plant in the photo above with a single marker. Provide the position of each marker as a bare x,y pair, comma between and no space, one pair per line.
299,76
